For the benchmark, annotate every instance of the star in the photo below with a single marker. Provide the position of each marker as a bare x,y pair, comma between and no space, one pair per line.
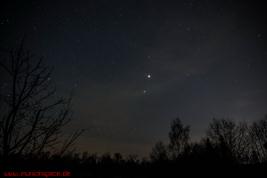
148,76
144,91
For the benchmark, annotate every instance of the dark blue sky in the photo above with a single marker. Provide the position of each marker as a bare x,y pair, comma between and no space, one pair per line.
205,59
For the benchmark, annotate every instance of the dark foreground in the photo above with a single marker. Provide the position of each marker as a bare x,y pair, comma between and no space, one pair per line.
130,168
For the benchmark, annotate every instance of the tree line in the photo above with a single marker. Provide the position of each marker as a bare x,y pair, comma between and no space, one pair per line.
225,142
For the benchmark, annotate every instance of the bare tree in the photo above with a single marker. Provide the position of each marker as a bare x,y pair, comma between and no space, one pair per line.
179,137
32,116
258,133
231,138
159,152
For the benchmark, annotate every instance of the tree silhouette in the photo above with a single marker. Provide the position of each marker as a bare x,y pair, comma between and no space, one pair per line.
231,140
32,116
159,152
179,137
258,133
118,158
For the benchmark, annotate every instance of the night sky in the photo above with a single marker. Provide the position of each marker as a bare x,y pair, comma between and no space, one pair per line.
136,65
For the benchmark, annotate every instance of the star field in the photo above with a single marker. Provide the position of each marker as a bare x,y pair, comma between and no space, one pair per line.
134,66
